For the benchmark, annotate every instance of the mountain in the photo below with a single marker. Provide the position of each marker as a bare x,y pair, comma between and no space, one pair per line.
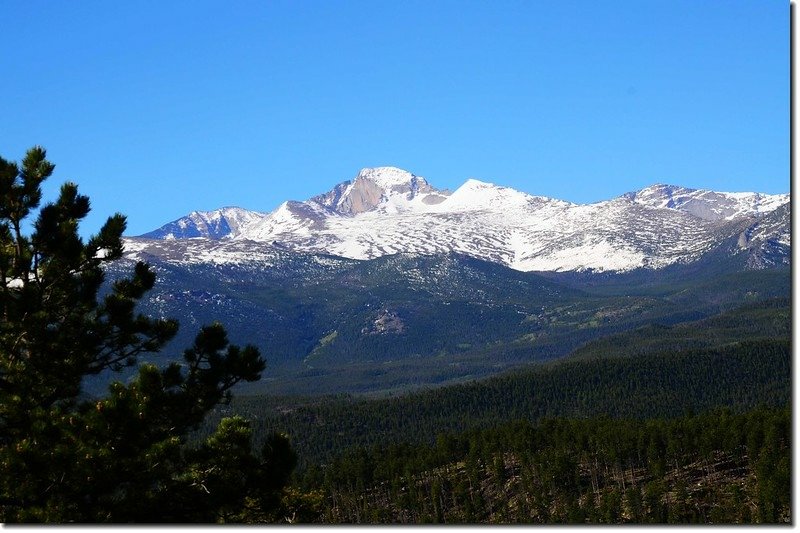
328,324
385,211
708,205
209,224
386,283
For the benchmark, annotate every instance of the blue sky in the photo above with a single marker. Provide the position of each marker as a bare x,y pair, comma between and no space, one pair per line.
159,108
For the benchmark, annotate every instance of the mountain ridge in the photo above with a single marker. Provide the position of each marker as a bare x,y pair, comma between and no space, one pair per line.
386,210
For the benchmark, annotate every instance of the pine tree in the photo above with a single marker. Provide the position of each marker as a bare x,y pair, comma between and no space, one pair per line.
124,457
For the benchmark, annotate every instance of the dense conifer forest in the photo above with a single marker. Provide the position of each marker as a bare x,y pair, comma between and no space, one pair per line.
655,385
718,467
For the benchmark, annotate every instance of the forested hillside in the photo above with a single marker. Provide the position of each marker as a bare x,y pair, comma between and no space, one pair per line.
656,385
715,468
607,435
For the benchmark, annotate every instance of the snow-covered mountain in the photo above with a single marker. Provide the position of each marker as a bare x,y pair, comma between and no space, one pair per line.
708,205
386,210
209,224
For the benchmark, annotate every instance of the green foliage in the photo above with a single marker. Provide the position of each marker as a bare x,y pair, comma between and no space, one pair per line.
593,470
766,319
394,453
642,386
122,457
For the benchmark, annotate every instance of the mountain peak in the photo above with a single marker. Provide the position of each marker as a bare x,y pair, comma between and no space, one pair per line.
473,183
659,194
373,188
481,195
707,204
387,177
214,224
659,186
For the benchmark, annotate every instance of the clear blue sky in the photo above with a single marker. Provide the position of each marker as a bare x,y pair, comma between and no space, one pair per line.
159,108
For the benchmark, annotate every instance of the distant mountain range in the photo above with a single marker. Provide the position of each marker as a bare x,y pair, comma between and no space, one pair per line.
386,283
385,211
